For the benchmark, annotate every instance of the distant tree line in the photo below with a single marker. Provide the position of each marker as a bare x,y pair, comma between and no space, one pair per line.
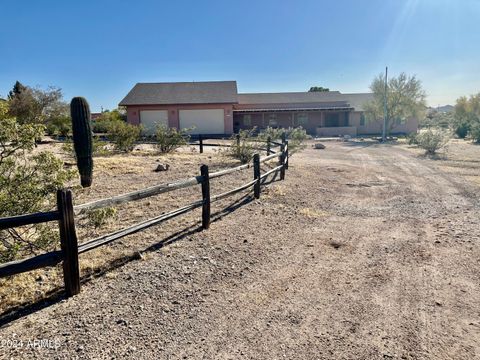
47,107
318,89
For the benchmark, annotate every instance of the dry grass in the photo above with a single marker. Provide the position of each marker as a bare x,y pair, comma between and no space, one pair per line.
274,191
460,157
474,179
29,287
313,213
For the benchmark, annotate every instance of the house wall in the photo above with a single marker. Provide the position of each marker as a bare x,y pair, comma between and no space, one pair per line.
376,127
133,113
286,119
234,120
337,131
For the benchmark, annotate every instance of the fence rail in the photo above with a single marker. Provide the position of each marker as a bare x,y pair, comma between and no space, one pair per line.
65,213
28,219
267,148
139,194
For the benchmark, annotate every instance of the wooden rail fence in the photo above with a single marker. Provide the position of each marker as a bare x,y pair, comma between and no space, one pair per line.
269,143
65,215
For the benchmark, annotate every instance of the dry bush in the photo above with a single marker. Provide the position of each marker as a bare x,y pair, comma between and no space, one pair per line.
168,139
241,147
432,140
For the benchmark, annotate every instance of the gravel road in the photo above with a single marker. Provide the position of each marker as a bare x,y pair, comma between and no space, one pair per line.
363,252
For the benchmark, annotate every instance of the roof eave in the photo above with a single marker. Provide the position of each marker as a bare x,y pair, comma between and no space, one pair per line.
177,104
332,108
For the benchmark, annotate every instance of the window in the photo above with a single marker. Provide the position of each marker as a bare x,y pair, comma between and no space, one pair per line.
302,120
247,120
362,119
272,120
332,120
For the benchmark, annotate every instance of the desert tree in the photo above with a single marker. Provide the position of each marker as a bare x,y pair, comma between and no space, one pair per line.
36,106
318,89
466,119
405,99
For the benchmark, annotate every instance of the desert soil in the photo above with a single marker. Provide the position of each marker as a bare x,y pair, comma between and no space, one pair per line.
365,251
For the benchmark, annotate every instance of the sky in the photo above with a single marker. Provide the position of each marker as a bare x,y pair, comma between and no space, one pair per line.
100,48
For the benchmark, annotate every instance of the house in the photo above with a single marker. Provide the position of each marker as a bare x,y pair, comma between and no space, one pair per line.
216,107
95,116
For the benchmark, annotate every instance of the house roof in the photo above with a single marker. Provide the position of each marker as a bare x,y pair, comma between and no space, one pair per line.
329,100
225,92
208,92
335,105
289,97
357,101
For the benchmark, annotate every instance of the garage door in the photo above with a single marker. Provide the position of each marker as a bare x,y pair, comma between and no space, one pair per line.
208,121
151,119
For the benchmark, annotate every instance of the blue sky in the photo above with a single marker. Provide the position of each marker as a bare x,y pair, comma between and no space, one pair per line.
100,49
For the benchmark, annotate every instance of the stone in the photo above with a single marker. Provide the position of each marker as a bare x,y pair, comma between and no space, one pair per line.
319,146
162,167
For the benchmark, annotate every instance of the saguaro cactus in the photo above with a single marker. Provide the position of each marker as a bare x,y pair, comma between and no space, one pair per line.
82,139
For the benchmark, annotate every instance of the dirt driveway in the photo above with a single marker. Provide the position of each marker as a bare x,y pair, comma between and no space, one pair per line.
364,252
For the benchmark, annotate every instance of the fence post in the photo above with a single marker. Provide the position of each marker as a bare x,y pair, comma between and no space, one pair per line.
282,162
200,139
284,137
238,140
268,145
205,196
286,154
256,175
68,241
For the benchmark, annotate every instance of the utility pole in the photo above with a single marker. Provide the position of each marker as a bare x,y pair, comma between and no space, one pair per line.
385,110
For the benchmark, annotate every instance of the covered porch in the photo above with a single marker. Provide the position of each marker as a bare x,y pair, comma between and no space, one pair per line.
311,120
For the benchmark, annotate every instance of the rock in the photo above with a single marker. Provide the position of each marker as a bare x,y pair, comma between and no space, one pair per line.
319,146
162,167
122,322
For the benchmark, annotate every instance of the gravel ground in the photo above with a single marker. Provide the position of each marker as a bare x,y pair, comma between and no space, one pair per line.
365,251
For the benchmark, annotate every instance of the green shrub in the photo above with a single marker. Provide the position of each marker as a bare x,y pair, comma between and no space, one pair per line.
59,126
272,133
169,139
241,147
432,140
462,130
412,139
296,139
28,183
99,217
103,123
99,148
474,132
124,135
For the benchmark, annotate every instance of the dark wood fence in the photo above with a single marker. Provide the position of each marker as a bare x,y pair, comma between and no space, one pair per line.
65,215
